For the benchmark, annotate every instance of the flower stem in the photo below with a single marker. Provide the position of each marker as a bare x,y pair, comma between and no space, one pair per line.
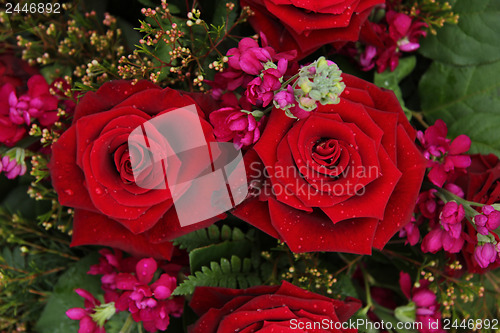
127,327
448,196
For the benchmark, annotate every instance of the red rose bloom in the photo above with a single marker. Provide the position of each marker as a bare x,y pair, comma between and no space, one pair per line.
92,172
344,179
267,309
307,25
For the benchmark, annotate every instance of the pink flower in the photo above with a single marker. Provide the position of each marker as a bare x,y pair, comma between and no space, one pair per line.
149,304
404,31
12,168
411,232
36,103
427,204
249,57
451,218
231,123
10,133
445,156
87,324
438,239
260,91
488,221
367,58
110,264
485,254
427,307
16,111
245,62
285,98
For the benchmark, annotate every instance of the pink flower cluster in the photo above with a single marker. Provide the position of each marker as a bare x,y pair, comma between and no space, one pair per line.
448,234
130,284
17,112
11,167
427,307
254,69
446,157
84,315
245,63
385,41
149,303
447,220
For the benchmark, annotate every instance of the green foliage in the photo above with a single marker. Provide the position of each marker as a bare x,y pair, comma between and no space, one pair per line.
390,80
53,318
233,273
31,259
467,99
208,236
461,86
474,40
204,255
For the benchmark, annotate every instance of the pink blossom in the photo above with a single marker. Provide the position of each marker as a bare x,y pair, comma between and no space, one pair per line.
445,156
485,254
427,307
149,304
405,31
37,103
249,57
438,239
12,168
427,204
110,264
231,123
260,91
285,98
488,221
87,324
411,232
367,58
451,218
10,133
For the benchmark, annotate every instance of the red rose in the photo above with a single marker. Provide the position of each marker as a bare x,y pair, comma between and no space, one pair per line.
267,309
307,25
92,172
344,179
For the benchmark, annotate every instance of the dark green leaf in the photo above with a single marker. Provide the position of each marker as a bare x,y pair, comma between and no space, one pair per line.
203,256
474,40
390,80
224,275
53,318
18,201
467,99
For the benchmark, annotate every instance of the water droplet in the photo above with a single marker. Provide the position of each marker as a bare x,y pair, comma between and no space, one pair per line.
69,192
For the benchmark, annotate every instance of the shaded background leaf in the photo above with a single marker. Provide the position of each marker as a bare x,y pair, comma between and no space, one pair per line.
474,40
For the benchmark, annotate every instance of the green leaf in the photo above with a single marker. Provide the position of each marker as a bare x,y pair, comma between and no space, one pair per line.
18,201
210,235
54,71
388,318
390,80
406,313
482,128
227,274
467,99
474,40
203,256
53,318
